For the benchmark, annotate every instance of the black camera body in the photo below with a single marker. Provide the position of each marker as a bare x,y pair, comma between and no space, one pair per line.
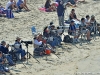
27,42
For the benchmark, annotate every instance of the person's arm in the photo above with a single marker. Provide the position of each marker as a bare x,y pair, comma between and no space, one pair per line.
37,42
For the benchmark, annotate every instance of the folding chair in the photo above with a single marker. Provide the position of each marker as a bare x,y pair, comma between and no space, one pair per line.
34,31
94,29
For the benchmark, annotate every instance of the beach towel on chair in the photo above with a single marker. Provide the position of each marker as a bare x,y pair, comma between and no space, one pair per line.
9,14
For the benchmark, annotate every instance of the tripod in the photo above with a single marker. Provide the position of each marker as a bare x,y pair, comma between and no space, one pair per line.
29,54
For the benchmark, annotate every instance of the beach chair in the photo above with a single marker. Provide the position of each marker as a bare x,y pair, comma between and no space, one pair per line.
33,29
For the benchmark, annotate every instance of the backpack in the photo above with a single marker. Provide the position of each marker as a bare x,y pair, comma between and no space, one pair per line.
67,39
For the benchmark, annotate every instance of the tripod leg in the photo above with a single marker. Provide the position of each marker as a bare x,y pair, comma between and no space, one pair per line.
34,58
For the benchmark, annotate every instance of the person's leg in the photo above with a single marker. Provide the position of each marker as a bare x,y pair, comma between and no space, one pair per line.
62,20
99,30
88,35
59,39
23,53
23,6
59,18
10,60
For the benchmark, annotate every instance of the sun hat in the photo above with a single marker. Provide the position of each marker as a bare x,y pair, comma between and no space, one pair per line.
17,38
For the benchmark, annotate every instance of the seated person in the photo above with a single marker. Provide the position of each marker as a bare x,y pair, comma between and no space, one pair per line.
70,2
72,31
18,48
87,20
38,46
93,26
2,13
56,41
46,32
49,6
73,16
4,49
3,69
83,29
22,4
11,4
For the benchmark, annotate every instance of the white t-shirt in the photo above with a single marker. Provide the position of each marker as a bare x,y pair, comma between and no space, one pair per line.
87,21
36,42
8,4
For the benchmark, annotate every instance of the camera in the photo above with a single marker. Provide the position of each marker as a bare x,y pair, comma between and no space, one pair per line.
27,42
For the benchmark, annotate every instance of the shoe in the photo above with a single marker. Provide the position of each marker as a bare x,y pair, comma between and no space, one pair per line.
12,64
89,39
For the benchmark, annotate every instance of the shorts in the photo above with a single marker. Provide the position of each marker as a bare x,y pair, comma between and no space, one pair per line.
20,7
84,31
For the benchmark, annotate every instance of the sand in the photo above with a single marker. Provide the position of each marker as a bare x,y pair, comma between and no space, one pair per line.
72,59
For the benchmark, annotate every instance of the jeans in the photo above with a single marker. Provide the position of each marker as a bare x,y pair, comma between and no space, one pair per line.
23,53
56,41
61,20
3,69
9,58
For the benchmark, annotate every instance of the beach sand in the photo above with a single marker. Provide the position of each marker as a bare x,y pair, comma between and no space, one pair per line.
72,59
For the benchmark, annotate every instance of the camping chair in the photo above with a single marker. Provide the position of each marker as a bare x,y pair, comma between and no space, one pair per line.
94,29
33,29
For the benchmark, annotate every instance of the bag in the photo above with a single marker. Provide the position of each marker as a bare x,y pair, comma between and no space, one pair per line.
67,39
70,33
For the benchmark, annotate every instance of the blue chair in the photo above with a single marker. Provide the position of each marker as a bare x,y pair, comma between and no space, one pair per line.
33,29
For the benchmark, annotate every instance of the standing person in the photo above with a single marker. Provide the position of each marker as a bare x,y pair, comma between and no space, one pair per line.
60,13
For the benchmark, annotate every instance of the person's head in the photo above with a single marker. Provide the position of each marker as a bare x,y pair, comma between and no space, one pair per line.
60,2
92,17
3,43
40,37
35,36
52,27
11,0
48,1
18,39
45,28
72,22
87,17
82,20
0,54
51,23
73,11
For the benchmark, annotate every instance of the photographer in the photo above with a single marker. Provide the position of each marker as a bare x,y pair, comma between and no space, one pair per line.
4,49
3,69
18,48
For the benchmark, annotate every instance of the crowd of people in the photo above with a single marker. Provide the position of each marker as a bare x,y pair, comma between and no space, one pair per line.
52,35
